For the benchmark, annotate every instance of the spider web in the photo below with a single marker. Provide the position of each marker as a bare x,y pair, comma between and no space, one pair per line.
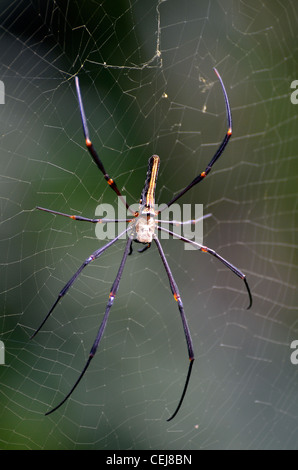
148,87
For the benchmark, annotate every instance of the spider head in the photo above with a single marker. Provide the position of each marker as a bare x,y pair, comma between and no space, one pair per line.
144,228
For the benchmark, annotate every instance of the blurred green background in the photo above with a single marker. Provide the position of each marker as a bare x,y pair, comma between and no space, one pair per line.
148,86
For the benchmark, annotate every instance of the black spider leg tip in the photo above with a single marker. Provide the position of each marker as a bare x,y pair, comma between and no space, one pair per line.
73,387
249,292
184,389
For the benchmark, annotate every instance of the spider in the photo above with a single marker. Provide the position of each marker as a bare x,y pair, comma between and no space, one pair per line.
142,228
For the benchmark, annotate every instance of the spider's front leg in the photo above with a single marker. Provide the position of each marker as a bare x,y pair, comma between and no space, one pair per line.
91,148
218,152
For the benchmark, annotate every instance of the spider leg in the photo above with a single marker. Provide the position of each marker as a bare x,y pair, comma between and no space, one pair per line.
95,345
185,222
175,292
218,152
92,150
67,286
205,249
84,219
